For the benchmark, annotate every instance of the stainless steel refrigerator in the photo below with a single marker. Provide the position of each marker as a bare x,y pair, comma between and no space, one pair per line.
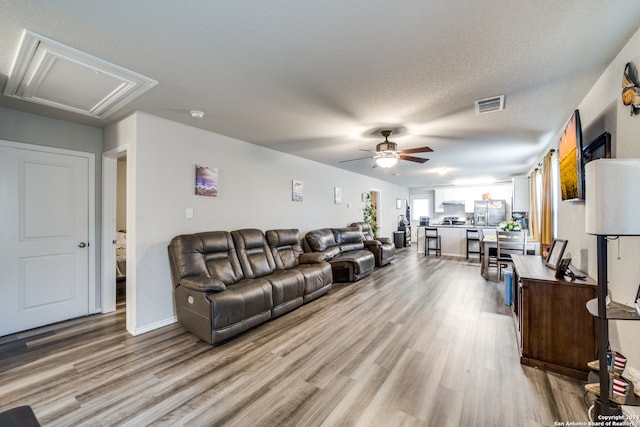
489,212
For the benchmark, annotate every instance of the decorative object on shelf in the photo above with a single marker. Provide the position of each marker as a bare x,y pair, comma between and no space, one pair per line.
555,253
630,88
610,194
617,367
509,226
618,392
206,181
297,191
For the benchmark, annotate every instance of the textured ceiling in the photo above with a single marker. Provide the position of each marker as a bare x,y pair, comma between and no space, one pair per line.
314,78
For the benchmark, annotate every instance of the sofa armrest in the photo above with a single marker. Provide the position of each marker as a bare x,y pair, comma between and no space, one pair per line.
311,258
372,243
202,284
384,240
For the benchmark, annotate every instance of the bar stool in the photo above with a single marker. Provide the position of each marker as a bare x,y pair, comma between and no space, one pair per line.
432,241
473,239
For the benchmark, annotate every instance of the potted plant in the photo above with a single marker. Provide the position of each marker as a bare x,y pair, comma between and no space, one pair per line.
369,214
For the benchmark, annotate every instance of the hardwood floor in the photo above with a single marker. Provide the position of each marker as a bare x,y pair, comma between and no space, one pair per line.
421,342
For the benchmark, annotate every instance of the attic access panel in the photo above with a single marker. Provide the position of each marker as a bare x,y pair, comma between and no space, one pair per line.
50,73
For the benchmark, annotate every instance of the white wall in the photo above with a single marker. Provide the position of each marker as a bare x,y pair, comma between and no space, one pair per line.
254,192
601,110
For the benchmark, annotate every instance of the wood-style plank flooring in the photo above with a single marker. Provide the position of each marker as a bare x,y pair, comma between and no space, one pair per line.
421,342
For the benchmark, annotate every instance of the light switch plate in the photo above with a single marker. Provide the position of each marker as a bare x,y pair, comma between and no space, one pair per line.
189,213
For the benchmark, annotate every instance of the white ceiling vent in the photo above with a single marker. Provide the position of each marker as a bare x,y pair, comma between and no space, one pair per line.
52,74
489,105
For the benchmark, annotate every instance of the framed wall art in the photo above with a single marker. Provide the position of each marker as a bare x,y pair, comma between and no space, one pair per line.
297,191
206,181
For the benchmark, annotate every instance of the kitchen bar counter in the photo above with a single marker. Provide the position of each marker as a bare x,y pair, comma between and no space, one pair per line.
454,238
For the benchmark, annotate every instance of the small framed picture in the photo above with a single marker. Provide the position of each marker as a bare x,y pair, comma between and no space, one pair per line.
337,195
297,191
556,252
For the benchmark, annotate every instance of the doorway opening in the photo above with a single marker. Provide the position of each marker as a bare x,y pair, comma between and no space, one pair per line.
375,203
118,235
121,233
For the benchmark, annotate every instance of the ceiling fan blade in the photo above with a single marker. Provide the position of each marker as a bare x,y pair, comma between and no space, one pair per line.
416,150
360,158
412,158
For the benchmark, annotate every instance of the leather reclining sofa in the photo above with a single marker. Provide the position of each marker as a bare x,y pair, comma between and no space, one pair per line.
345,250
228,282
383,249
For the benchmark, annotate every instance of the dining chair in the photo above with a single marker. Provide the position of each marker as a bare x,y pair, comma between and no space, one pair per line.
509,243
492,258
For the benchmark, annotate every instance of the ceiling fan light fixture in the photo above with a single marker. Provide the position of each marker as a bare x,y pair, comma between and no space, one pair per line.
386,161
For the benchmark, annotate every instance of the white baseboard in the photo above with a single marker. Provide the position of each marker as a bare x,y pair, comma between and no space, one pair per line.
153,326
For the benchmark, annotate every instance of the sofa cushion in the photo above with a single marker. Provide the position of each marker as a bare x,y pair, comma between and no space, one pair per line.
240,302
322,240
209,254
365,229
348,239
285,247
202,284
253,252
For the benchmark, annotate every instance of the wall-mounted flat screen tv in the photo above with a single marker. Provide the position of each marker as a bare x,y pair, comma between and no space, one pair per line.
570,154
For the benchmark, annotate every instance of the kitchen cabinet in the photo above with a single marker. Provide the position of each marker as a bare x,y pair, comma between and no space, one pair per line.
555,330
520,194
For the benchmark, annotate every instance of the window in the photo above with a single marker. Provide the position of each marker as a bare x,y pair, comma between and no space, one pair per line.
420,207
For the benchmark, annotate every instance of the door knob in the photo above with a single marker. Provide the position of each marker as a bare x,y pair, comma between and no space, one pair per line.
82,245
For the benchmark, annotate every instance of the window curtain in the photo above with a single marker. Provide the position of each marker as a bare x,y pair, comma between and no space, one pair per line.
534,213
546,214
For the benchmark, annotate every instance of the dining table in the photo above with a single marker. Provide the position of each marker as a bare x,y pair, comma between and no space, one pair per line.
490,241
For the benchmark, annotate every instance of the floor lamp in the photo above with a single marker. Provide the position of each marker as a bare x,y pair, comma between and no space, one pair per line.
612,192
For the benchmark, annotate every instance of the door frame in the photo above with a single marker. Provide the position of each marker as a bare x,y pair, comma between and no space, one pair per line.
91,209
378,207
109,194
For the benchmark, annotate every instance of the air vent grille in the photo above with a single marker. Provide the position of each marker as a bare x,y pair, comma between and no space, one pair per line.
489,105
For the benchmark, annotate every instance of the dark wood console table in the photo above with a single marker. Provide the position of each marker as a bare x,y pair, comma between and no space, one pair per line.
555,330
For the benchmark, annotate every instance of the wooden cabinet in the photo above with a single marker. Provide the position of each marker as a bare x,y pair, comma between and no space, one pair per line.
555,330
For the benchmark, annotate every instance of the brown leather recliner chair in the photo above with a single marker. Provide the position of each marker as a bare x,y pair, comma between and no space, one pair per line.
382,248
288,254
344,249
214,300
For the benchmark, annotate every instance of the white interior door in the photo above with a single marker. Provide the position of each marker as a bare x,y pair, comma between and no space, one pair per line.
44,232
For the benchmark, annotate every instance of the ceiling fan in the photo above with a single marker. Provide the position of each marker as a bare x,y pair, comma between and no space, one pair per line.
387,153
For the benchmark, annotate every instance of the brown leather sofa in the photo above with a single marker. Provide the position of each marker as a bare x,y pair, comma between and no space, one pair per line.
344,249
383,248
226,283
288,254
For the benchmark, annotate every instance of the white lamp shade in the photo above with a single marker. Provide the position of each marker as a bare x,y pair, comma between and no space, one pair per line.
612,197
386,162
